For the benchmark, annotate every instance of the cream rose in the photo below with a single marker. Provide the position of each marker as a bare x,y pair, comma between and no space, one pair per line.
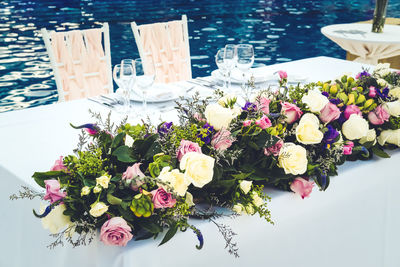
85,190
293,159
199,168
238,208
129,140
315,100
176,179
97,189
395,92
98,209
245,186
382,82
355,127
382,69
370,137
227,100
103,181
218,116
55,221
189,199
389,136
393,108
307,132
257,200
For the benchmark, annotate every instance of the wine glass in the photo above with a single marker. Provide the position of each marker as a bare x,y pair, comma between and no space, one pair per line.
145,75
245,59
121,84
219,60
128,91
229,60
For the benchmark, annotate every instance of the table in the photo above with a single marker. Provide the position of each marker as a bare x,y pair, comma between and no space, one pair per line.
354,223
360,41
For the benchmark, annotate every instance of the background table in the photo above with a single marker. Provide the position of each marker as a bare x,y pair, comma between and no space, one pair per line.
354,223
360,41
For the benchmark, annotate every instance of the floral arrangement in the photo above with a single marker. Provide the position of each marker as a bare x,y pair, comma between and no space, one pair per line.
134,181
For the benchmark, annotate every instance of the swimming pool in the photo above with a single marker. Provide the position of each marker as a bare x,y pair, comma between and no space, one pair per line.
280,30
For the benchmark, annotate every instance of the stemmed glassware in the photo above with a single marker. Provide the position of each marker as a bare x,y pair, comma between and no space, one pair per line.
229,60
145,75
124,76
245,59
219,60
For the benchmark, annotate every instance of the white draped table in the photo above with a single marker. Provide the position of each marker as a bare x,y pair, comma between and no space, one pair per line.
354,223
358,39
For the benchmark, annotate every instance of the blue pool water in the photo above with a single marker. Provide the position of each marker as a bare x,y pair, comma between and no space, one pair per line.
280,30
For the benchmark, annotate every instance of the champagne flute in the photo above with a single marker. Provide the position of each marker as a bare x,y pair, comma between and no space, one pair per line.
145,75
124,77
245,59
219,60
128,91
229,60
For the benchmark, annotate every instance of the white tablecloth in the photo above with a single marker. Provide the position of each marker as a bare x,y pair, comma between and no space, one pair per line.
354,223
358,39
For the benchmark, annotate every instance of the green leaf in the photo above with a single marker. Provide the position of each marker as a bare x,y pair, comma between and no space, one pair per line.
113,200
242,176
150,226
40,177
124,154
118,140
379,152
116,178
170,234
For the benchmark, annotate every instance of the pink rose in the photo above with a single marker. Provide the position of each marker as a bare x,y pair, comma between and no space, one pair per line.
348,148
197,116
115,232
162,199
263,104
264,122
58,165
222,140
329,113
185,147
372,91
378,116
53,192
133,172
282,74
302,187
351,109
247,123
291,111
274,150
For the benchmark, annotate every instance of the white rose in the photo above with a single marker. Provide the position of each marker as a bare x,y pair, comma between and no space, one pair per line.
176,179
389,136
315,100
103,181
238,208
293,159
393,108
307,132
189,199
97,189
129,140
355,127
85,190
227,100
382,82
199,168
371,136
395,92
55,221
257,200
236,111
382,69
249,209
245,186
98,209
218,117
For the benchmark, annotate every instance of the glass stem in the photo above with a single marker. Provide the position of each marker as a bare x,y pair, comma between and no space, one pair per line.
144,102
229,79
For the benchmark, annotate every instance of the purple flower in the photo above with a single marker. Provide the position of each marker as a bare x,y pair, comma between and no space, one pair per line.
249,106
91,128
325,94
205,135
335,101
362,74
330,135
383,93
164,128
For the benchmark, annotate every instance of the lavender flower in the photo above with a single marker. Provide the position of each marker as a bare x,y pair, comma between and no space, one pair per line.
205,133
249,106
325,94
335,101
165,128
330,135
362,74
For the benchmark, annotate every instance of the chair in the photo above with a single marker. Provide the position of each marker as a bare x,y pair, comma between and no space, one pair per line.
81,65
167,45
394,61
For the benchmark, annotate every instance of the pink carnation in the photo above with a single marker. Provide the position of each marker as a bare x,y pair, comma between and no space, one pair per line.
185,147
291,111
133,172
348,148
372,91
329,113
247,123
378,116
115,232
264,122
351,109
53,192
302,187
222,140
58,165
162,199
282,74
274,150
263,104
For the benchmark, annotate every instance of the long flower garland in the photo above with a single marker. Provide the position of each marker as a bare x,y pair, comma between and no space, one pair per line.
134,181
